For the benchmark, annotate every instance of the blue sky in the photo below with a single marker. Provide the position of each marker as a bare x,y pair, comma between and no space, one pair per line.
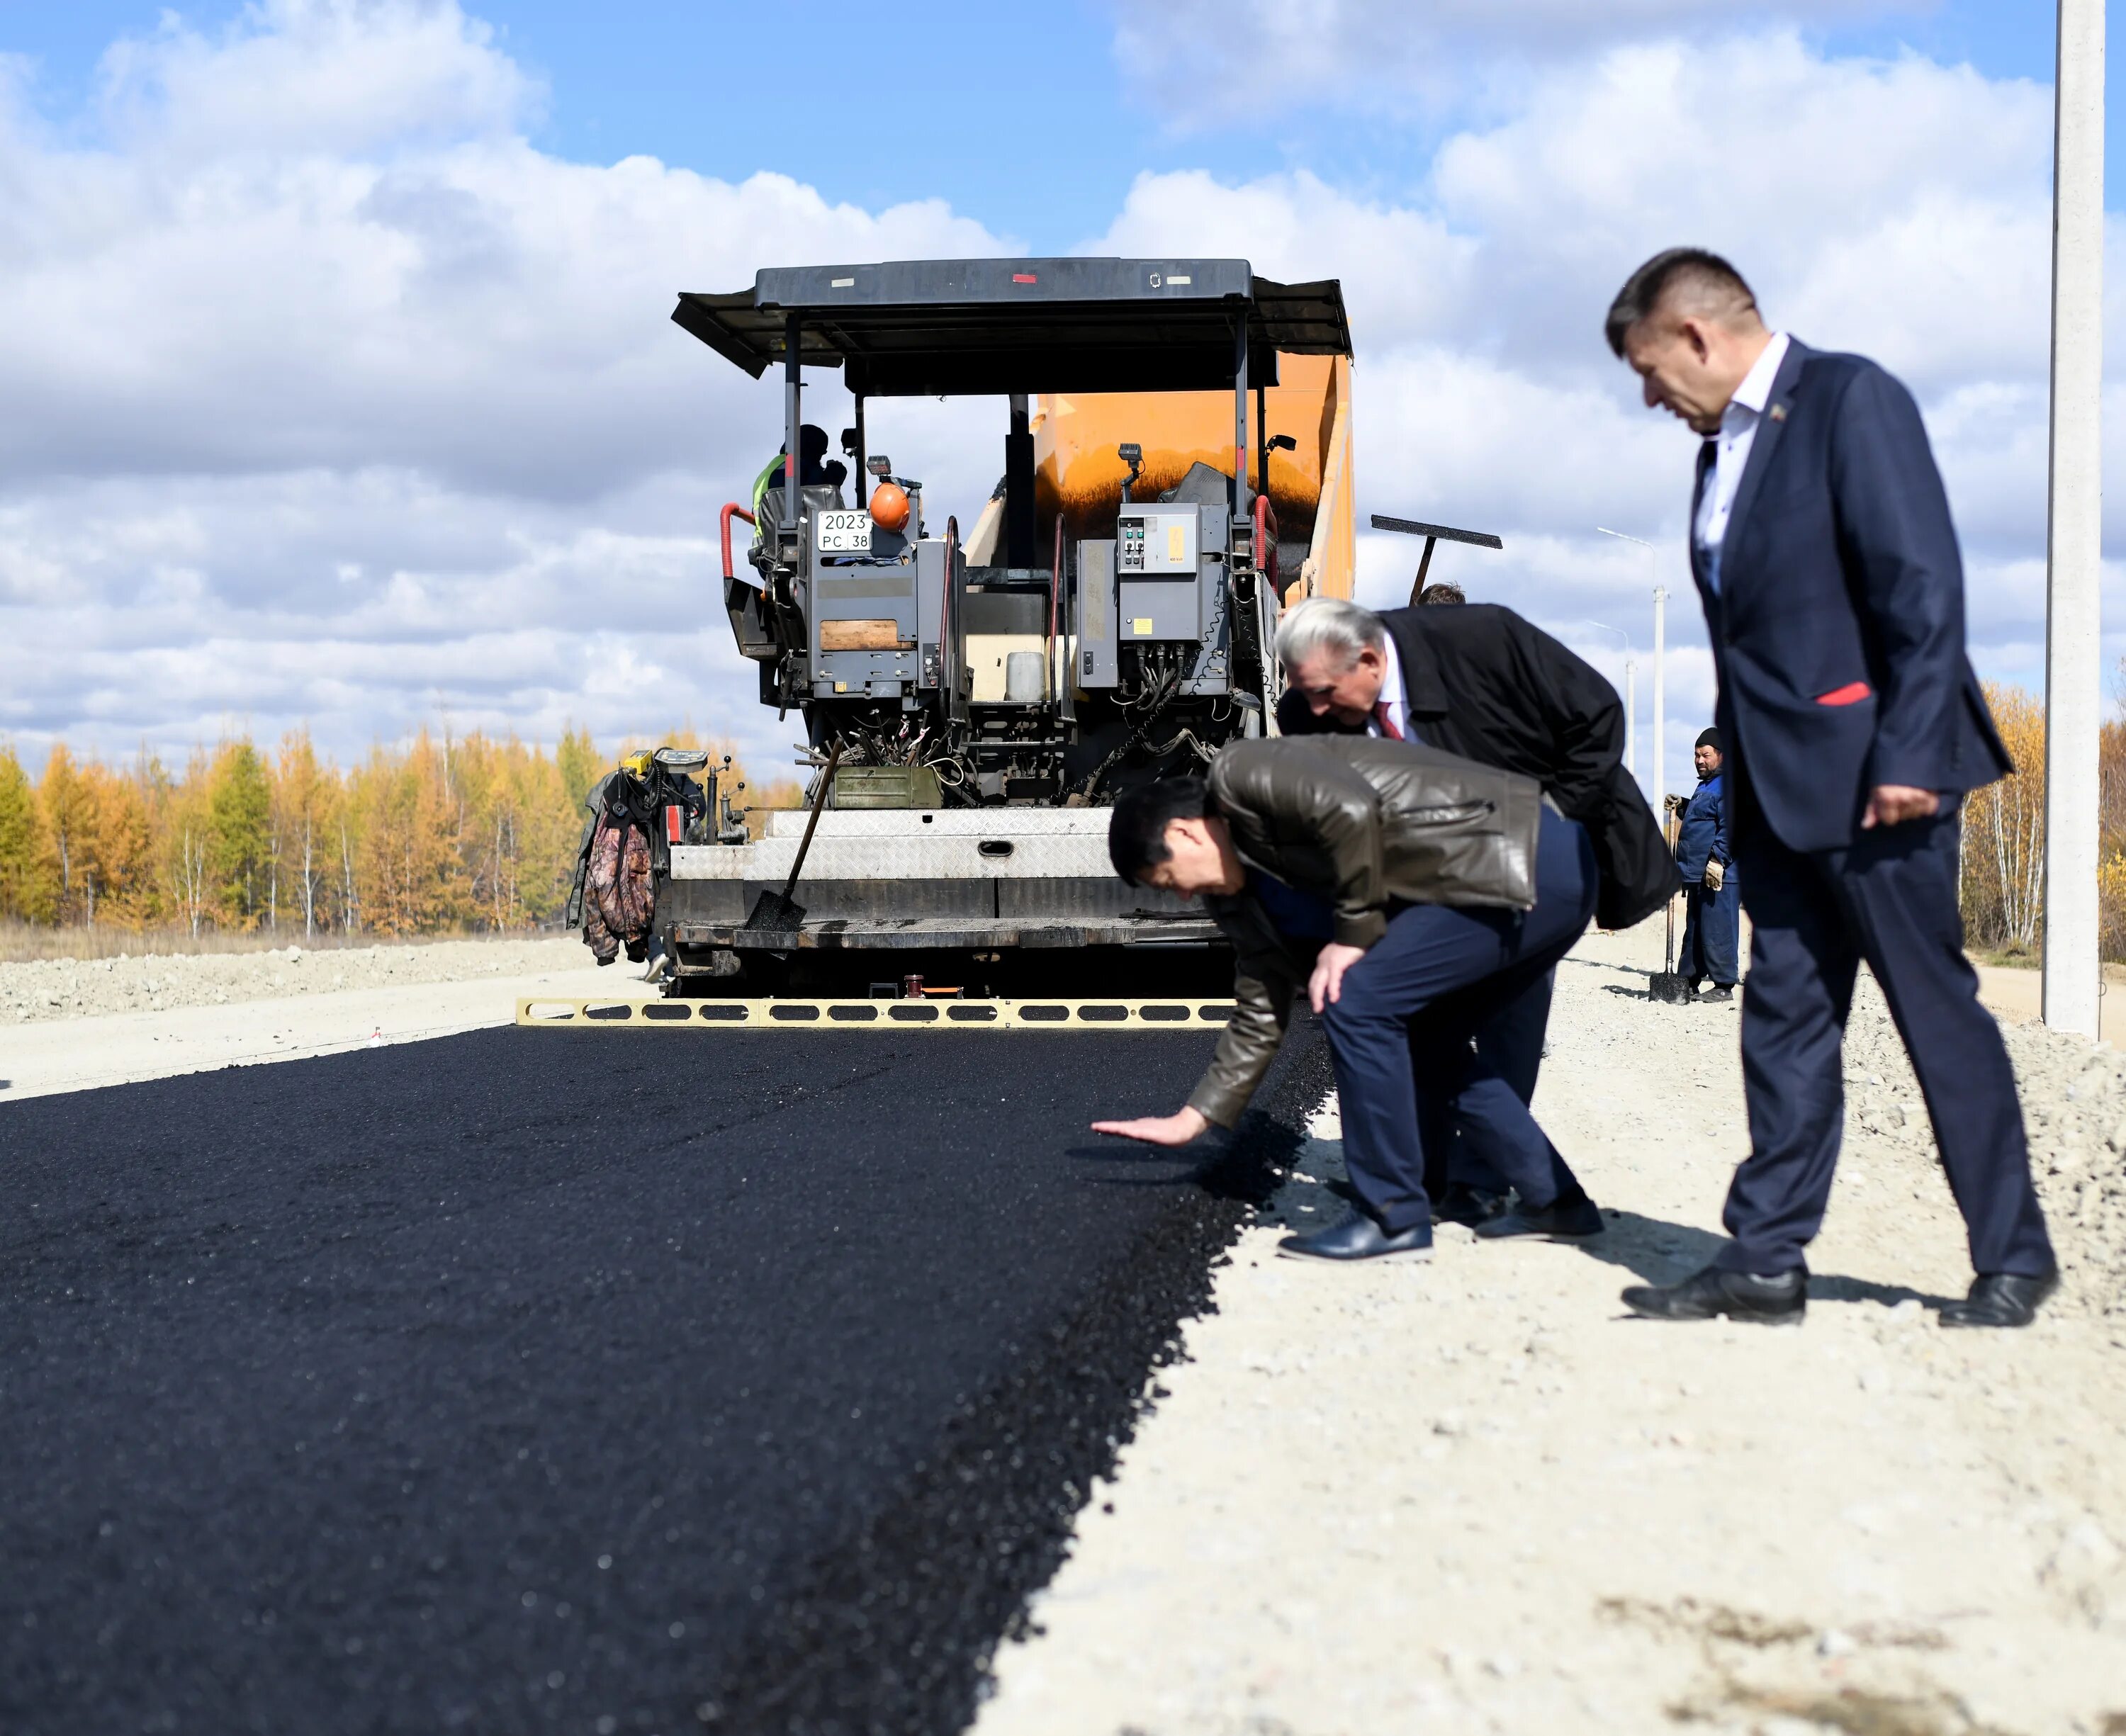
680,82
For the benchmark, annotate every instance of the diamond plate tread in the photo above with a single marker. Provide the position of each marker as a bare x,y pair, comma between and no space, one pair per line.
549,1012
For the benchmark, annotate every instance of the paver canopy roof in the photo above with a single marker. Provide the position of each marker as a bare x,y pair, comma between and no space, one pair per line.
942,326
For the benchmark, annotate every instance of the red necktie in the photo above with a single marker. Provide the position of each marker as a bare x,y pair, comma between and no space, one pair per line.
1387,723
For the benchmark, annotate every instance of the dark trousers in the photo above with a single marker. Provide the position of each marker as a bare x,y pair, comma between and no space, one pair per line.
1711,933
1889,898
1431,1032
1463,1124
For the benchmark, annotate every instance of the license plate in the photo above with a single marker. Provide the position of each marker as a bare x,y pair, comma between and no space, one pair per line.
842,533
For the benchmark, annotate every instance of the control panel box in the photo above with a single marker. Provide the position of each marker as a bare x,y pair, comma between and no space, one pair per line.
1157,542
1158,611
1098,665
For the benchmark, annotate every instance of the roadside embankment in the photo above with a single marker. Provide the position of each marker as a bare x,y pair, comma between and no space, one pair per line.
74,988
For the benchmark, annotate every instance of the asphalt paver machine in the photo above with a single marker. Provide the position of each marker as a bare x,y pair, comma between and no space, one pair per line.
981,696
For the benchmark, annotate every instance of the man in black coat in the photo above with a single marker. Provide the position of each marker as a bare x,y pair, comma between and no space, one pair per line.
1823,551
1480,681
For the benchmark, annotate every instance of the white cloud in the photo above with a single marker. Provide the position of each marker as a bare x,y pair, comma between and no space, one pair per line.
334,76
1899,207
330,398
1199,60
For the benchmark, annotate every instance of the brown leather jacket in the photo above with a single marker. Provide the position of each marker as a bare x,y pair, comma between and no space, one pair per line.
1364,823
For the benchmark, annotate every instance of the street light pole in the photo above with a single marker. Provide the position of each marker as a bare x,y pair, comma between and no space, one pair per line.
2074,527
1661,694
1656,785
1630,690
1631,717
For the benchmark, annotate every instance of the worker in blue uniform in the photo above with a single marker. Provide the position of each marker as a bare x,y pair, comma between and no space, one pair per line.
1712,895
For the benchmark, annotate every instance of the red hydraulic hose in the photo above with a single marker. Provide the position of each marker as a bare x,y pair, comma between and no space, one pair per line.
732,509
1266,541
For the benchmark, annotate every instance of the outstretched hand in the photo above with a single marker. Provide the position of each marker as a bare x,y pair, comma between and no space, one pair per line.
1177,1129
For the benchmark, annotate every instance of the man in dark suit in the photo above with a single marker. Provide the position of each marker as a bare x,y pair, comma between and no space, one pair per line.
1478,681
1821,543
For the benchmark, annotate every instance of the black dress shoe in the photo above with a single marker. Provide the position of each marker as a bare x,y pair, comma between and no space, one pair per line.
1458,1205
1562,1221
2001,1299
1358,1238
1780,1298
1461,1204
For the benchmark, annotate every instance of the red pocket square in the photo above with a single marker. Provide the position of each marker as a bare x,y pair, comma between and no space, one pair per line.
1851,693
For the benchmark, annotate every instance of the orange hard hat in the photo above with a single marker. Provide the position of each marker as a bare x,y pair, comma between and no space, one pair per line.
889,506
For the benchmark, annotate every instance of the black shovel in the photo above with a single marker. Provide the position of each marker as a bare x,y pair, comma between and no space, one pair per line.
1666,985
776,911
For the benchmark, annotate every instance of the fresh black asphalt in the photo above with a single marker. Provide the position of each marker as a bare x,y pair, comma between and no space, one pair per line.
595,1382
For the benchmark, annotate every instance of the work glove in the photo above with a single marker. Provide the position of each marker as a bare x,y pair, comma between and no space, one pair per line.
1715,875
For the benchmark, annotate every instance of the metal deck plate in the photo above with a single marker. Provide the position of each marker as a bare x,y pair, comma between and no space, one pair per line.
555,1012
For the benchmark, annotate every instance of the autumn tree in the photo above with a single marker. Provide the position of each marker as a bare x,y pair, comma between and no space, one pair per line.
185,846
240,833
2004,832
439,835
580,766
68,803
28,891
303,798
413,878
115,872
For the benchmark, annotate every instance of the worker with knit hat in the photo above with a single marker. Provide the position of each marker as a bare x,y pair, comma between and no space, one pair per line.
1713,896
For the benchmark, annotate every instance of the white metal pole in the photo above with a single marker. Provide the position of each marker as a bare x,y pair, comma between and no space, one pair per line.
1660,695
2074,529
1632,718
1631,733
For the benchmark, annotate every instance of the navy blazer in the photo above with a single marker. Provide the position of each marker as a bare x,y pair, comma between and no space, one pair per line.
1838,627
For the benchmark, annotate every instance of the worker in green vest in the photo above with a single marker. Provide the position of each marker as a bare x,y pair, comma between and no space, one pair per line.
814,471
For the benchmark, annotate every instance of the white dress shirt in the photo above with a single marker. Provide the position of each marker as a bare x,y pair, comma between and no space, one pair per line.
1392,695
1738,433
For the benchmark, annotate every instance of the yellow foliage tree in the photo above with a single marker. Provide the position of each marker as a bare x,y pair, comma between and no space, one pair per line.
29,888
2004,832
443,835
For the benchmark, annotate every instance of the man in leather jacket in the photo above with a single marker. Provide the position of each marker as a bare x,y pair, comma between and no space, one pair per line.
1396,886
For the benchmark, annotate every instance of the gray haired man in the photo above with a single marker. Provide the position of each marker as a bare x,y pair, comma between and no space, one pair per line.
1479,681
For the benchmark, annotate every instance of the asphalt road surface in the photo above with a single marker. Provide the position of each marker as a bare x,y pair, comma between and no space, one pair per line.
600,1382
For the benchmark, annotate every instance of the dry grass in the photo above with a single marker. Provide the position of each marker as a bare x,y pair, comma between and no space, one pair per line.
22,941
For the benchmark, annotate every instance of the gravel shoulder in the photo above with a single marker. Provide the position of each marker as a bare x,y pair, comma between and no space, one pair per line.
1470,1496
81,1024
37,990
